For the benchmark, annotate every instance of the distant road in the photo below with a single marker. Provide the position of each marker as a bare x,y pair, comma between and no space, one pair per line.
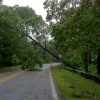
46,66
26,85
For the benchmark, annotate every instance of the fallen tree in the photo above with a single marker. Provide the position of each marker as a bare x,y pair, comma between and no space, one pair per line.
26,35
50,52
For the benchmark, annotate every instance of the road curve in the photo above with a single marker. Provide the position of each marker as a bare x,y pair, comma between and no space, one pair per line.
27,85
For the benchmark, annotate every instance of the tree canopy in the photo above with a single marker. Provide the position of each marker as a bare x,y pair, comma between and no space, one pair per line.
76,27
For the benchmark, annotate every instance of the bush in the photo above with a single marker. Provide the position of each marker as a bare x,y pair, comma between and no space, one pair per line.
92,69
23,67
15,59
77,61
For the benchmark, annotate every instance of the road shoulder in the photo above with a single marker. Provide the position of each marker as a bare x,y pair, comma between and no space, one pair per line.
53,89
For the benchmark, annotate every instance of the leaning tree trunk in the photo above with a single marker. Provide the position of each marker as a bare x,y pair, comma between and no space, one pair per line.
51,52
98,62
45,48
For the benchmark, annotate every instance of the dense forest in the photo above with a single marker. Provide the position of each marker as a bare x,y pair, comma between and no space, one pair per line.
73,26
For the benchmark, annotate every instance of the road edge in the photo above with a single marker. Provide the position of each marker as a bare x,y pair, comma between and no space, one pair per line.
53,90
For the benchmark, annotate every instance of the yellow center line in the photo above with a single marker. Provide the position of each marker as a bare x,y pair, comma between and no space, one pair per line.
11,76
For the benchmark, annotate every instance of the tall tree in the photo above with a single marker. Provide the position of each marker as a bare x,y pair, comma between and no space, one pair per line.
8,37
77,27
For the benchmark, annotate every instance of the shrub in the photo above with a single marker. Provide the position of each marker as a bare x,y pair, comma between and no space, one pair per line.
15,59
76,60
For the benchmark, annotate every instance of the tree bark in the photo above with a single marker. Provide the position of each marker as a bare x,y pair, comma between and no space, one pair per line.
90,59
86,61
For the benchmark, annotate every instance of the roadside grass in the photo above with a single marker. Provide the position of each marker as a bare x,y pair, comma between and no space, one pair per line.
74,87
9,68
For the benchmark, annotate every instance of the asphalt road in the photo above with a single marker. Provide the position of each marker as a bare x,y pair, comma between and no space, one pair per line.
26,85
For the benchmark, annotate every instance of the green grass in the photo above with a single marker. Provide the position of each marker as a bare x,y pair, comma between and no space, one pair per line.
74,87
9,68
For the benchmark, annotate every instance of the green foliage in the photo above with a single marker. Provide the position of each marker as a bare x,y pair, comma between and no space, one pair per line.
9,38
24,12
15,60
76,27
77,61
93,69
16,24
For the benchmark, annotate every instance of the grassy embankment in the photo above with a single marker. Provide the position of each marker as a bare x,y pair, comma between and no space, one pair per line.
74,87
9,68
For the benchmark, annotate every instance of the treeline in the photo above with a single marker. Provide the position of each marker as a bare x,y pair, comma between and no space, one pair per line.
76,31
16,24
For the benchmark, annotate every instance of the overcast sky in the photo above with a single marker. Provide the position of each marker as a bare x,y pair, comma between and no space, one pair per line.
37,5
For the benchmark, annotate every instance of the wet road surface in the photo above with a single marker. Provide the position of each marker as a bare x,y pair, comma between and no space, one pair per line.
26,85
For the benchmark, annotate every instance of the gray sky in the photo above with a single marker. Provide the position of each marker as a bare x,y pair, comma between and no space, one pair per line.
37,5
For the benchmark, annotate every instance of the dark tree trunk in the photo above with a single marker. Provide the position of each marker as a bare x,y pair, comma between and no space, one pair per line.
98,62
90,59
44,54
86,61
